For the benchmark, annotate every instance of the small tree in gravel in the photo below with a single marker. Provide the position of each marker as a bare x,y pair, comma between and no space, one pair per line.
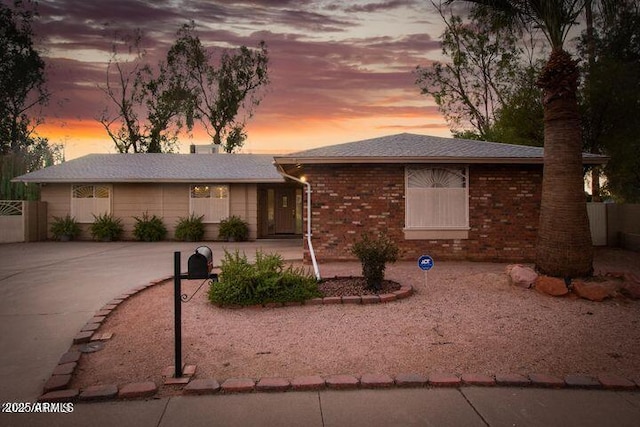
374,254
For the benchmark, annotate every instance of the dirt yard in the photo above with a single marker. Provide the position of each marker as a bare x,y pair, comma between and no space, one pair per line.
463,318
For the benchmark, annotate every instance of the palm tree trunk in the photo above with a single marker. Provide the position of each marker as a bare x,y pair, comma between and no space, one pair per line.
564,246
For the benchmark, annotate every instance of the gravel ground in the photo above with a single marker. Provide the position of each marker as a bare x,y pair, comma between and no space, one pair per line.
463,318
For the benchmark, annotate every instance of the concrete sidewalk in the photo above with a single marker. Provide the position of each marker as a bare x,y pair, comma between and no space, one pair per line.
466,406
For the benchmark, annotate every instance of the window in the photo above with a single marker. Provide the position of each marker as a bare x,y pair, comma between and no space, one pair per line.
437,202
90,200
211,201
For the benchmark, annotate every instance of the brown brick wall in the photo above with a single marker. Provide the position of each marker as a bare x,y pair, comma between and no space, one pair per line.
348,200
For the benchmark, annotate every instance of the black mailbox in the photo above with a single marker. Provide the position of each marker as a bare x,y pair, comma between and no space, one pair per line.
200,263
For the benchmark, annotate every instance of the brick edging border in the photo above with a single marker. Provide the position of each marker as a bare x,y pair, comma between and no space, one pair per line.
342,382
56,388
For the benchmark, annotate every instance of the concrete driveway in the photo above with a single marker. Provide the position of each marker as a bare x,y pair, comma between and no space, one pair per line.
48,291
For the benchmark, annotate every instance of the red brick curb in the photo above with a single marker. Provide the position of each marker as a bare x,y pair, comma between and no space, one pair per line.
342,382
202,387
65,368
444,380
273,384
57,382
612,382
543,380
512,380
370,299
581,381
312,382
68,357
137,390
376,381
68,395
99,392
411,380
478,379
238,385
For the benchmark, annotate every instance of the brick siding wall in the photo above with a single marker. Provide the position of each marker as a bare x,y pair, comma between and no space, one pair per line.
348,200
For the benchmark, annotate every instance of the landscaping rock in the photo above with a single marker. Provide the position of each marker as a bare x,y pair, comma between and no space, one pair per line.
630,290
595,291
551,286
521,276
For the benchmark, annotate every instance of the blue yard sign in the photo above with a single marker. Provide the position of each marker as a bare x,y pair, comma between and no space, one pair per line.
425,262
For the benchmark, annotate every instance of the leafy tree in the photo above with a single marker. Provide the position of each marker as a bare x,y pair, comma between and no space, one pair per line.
471,88
149,103
610,94
564,247
227,89
22,78
519,120
22,91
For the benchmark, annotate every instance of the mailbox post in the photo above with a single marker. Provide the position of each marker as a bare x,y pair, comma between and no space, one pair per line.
177,309
199,265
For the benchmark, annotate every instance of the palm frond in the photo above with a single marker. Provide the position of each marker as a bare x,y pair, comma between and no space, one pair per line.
554,17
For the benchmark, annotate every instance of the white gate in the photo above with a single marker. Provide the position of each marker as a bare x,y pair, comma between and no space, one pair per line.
598,223
11,221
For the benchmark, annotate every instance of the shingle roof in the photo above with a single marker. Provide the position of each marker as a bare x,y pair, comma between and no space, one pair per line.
406,147
160,168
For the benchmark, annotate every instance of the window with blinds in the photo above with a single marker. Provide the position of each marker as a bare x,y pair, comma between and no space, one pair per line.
210,201
437,197
89,200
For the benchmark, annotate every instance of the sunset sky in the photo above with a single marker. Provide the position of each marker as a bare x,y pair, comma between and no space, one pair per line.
340,70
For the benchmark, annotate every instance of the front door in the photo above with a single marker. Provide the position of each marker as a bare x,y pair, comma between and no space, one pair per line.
285,210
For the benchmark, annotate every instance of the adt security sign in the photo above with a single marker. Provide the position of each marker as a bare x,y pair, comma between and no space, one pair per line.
425,262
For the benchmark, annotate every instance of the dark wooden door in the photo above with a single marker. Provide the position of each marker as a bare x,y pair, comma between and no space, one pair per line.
285,210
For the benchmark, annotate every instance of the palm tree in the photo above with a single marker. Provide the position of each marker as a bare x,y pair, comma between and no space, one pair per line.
564,247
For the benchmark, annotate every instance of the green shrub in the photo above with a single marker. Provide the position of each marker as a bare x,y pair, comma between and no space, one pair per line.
149,229
65,228
190,229
265,281
374,254
106,228
233,228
